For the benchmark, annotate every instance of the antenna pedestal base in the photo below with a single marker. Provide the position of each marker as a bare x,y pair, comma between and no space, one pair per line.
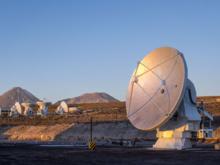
173,143
42,111
28,109
14,114
176,133
29,112
173,140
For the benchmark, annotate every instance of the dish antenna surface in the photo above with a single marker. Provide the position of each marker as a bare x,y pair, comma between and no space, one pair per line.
16,110
43,107
160,96
28,108
63,108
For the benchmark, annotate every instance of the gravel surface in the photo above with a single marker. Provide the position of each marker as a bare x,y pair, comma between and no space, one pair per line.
35,154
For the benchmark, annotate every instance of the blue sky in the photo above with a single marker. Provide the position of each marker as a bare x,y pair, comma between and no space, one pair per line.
58,49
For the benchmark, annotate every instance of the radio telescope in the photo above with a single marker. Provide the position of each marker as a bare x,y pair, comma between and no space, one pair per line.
63,108
160,96
28,109
43,108
16,110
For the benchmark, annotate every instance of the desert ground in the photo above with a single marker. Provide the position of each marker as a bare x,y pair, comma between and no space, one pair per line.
21,139
12,153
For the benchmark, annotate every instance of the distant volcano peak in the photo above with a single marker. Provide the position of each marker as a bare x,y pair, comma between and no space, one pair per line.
90,98
16,94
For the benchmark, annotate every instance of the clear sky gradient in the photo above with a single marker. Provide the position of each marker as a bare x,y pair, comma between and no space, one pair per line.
58,49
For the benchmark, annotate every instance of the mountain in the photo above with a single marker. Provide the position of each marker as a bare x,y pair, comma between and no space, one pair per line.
90,98
16,94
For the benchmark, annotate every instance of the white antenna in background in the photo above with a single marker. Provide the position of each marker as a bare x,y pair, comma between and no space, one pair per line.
28,109
63,108
43,107
16,110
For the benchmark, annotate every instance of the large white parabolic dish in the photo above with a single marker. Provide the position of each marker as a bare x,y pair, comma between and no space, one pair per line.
156,88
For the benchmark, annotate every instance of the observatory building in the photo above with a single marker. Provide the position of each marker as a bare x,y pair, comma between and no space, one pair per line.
160,96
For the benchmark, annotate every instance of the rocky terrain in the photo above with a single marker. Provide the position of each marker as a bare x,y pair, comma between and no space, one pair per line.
81,132
77,132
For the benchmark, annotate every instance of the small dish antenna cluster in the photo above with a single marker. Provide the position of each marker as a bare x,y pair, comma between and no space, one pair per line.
160,96
17,109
